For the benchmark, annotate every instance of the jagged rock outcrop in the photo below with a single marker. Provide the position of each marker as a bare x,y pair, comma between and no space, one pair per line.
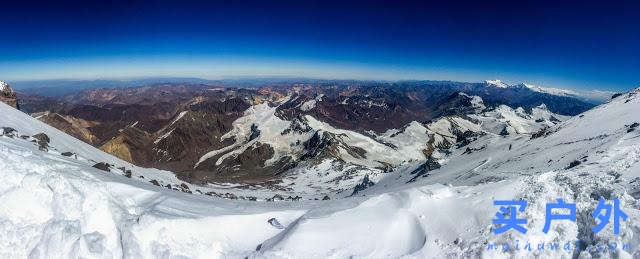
366,183
424,169
460,103
103,166
8,132
324,145
7,95
42,140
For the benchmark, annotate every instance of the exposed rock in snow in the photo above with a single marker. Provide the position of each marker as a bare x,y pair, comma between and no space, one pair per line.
459,104
102,166
308,105
7,95
366,183
5,88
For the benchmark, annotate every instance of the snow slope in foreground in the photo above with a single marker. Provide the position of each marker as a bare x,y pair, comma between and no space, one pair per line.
57,207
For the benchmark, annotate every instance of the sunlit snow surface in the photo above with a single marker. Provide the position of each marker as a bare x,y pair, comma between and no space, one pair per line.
53,206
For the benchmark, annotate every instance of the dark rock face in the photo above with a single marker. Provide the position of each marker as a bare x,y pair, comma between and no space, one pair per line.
469,150
466,137
184,187
573,164
633,127
248,166
359,108
541,133
366,183
42,141
321,144
197,132
41,137
103,166
616,95
504,131
255,132
325,145
458,104
298,125
424,169
8,132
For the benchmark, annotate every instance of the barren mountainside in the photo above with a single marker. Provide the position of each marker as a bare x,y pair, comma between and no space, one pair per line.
267,134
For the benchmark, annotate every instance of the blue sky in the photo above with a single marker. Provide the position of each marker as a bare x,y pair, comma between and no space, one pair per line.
571,45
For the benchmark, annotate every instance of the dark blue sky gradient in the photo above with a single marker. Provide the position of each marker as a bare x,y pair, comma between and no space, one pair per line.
574,45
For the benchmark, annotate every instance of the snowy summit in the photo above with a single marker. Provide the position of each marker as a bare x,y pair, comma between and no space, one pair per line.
596,96
497,83
5,88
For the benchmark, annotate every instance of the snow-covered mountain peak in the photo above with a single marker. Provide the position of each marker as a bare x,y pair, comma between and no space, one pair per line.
497,83
594,96
549,90
501,84
7,95
5,88
542,106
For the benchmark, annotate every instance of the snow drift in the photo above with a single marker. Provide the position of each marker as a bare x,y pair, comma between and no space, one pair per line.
54,206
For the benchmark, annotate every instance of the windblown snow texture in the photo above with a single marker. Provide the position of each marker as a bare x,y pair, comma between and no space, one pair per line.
56,206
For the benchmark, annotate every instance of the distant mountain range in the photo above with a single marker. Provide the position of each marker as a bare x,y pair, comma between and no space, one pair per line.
592,96
61,87
56,88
